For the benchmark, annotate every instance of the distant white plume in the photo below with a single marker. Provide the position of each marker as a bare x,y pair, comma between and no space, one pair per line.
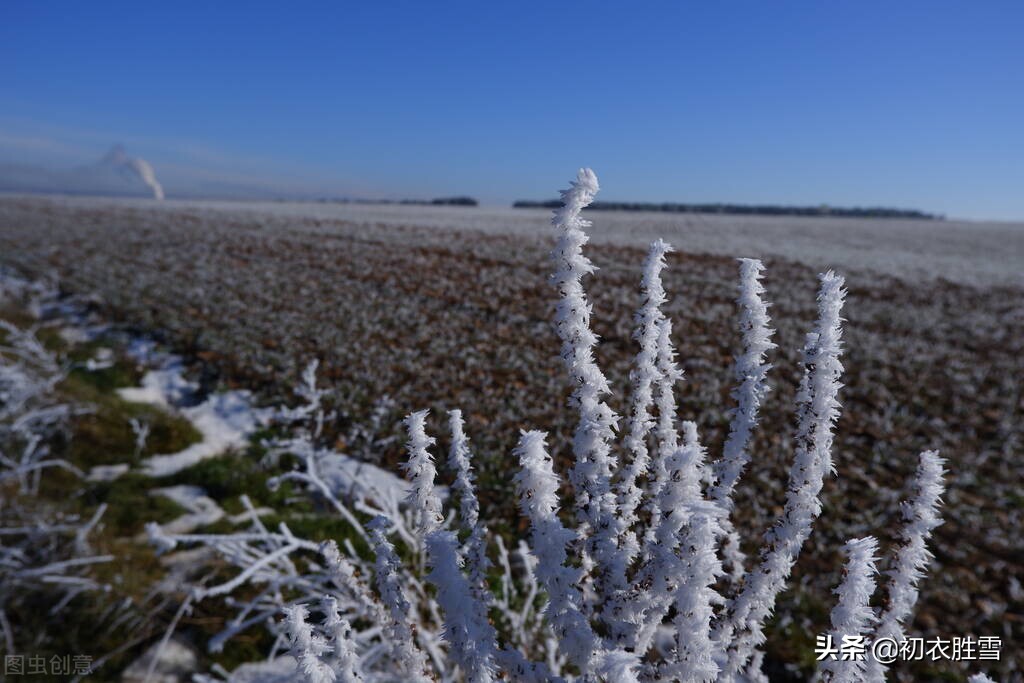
117,158
116,174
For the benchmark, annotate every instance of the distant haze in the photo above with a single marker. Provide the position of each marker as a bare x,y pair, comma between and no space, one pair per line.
116,174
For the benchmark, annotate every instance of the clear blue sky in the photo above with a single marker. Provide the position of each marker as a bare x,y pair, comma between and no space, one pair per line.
915,104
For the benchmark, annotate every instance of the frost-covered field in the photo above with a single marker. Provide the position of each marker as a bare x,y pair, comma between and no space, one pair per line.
968,252
413,307
960,251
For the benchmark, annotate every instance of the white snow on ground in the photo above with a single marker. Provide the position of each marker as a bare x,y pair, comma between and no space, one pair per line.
225,421
103,359
202,510
143,351
354,479
107,472
74,335
192,498
279,670
175,662
164,387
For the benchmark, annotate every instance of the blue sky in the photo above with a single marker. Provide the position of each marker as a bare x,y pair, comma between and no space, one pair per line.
911,104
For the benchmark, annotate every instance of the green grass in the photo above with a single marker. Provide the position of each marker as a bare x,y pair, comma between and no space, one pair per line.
103,436
228,476
130,504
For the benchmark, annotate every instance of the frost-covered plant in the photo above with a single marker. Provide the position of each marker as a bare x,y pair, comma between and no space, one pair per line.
607,608
591,475
852,616
921,515
407,653
634,590
549,539
742,629
289,571
38,553
472,641
30,415
308,647
422,501
475,548
751,375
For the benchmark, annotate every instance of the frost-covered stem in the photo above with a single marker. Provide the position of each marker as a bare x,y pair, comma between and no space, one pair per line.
591,475
617,666
141,431
422,501
664,569
697,654
644,376
477,563
183,609
518,668
250,571
669,374
475,550
665,435
470,636
389,585
344,659
921,516
817,411
459,462
527,629
344,574
304,450
751,371
307,647
852,616
538,494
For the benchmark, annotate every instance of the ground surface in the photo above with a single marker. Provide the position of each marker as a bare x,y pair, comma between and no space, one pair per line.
412,308
967,252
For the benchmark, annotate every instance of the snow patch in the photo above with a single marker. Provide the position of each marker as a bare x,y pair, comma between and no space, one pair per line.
202,510
279,670
166,387
175,661
354,479
107,472
225,421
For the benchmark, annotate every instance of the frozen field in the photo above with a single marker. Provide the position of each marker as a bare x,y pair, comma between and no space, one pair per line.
959,251
417,307
966,252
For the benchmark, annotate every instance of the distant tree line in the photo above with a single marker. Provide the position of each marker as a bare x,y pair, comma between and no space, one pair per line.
742,209
444,201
